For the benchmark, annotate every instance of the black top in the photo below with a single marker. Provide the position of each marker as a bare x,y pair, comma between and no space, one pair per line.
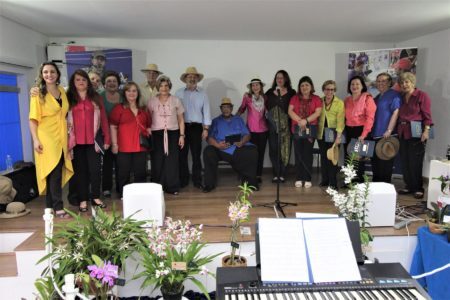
274,100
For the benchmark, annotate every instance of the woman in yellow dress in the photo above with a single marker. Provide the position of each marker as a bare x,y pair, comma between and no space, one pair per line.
48,127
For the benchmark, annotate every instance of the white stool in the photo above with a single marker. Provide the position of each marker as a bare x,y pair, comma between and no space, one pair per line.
145,201
381,206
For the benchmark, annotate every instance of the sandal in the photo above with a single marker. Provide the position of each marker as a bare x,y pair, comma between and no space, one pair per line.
418,195
98,204
83,208
62,215
404,191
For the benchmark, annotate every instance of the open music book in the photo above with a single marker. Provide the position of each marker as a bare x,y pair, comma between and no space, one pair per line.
313,250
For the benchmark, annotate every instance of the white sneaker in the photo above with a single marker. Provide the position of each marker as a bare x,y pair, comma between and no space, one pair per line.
308,184
298,184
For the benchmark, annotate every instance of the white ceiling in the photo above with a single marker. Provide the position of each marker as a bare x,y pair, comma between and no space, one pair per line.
283,20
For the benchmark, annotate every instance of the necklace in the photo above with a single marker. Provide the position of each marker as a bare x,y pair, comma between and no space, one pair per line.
328,106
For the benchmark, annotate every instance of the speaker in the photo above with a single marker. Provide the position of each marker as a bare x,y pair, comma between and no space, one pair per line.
25,183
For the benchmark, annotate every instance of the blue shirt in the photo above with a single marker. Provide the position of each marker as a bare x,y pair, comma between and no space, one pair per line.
196,105
386,103
221,127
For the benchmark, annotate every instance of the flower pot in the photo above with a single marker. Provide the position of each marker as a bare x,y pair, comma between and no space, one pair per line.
435,228
169,294
239,261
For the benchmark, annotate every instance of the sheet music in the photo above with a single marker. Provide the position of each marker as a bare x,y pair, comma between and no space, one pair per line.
330,250
283,252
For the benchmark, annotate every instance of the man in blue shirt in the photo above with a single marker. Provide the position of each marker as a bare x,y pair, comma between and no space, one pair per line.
197,118
242,156
388,104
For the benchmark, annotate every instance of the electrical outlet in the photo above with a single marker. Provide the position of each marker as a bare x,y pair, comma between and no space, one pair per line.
245,230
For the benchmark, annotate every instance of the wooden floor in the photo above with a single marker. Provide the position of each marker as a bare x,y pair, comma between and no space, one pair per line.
211,209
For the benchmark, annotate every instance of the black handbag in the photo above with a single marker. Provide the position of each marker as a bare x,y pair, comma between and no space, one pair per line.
145,141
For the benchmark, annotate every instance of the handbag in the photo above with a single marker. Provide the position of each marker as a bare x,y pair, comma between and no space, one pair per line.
145,141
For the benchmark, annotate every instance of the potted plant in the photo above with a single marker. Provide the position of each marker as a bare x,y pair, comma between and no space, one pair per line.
74,243
435,219
172,256
353,204
238,212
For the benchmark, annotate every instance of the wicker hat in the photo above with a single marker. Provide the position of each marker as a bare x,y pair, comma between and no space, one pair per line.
15,210
226,101
255,80
387,148
191,70
151,67
333,154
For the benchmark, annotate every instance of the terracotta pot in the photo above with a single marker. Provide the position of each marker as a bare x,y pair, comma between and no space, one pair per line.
239,261
435,228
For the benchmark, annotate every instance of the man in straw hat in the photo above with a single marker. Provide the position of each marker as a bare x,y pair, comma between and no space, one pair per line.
388,104
197,118
98,63
229,141
148,88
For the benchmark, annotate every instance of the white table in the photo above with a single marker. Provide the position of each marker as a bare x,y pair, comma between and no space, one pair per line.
437,168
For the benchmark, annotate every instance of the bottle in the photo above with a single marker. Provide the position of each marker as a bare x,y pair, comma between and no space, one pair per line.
9,163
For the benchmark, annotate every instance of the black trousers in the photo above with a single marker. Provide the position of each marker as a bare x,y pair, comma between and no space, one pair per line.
360,167
165,168
193,141
109,162
53,198
412,152
274,150
259,139
382,169
131,162
87,167
303,149
244,161
327,169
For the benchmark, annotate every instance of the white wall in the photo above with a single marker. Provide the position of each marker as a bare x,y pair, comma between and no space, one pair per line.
433,76
22,50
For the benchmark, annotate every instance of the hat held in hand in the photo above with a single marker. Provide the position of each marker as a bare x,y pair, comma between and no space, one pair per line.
387,148
333,154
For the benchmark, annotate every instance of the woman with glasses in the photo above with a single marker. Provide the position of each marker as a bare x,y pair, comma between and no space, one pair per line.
332,118
415,106
388,103
48,126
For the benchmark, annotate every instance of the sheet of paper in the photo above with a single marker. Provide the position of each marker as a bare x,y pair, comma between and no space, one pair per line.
330,251
282,251
303,215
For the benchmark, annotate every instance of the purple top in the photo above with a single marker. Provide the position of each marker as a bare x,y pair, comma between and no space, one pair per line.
256,120
418,108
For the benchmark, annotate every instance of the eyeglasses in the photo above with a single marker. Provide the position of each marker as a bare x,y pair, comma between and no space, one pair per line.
329,90
382,81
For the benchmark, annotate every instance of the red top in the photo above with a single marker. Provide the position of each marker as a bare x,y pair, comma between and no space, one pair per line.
360,112
305,107
129,127
418,108
83,122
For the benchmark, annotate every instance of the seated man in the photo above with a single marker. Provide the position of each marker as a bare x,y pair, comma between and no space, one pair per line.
222,136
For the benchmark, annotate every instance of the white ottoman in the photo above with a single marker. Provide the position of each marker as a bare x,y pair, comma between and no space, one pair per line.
382,202
145,201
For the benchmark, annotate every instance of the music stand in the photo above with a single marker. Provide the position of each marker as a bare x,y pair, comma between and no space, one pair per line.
277,204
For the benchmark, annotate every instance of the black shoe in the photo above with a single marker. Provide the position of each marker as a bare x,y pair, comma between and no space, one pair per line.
100,204
282,180
207,189
199,186
83,209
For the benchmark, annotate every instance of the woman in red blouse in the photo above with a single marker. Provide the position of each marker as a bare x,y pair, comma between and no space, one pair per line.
416,106
304,109
87,115
128,122
359,116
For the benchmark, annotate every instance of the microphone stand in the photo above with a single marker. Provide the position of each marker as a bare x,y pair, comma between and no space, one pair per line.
277,204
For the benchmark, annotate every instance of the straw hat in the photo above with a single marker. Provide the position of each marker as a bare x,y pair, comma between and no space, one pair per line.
151,67
191,70
15,210
226,101
387,148
255,80
333,154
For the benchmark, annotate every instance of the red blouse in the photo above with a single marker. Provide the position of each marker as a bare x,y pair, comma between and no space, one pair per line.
129,127
83,122
418,108
311,105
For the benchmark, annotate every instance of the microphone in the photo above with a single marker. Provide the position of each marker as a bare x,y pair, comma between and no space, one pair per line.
278,91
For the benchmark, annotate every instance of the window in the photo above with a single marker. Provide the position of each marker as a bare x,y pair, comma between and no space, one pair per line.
10,132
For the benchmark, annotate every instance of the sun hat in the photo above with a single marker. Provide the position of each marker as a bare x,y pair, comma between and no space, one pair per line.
226,101
333,154
15,210
255,80
387,148
191,70
151,67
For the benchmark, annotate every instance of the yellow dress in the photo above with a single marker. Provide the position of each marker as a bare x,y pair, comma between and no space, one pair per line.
52,133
